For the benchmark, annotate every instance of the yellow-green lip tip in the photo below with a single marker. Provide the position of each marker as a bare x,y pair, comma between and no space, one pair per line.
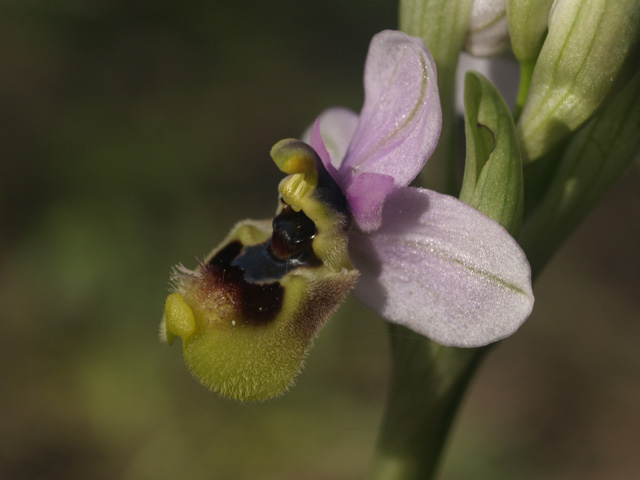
179,316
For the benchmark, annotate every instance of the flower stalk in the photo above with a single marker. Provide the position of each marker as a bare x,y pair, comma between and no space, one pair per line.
428,382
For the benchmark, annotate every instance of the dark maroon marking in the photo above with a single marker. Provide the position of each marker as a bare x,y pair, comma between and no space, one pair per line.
227,254
259,303
250,274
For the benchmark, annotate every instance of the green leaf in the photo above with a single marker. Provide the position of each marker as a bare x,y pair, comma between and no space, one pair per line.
493,170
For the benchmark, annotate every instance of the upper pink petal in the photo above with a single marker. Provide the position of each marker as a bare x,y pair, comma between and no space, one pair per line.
444,270
401,118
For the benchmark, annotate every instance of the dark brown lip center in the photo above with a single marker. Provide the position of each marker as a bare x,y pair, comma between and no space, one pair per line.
258,302
250,274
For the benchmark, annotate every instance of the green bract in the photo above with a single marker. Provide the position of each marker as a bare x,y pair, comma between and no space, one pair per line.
589,54
592,163
493,169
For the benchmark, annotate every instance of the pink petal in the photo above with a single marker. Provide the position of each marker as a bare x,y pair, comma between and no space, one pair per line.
317,143
337,125
401,118
444,270
366,193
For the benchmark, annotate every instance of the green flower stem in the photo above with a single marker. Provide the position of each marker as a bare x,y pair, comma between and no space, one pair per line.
526,71
428,382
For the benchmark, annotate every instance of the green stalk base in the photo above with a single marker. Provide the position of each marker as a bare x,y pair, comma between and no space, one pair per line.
428,382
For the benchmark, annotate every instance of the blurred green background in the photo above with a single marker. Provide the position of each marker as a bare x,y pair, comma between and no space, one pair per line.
134,134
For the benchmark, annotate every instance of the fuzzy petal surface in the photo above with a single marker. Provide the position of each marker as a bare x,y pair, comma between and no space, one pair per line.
444,270
401,119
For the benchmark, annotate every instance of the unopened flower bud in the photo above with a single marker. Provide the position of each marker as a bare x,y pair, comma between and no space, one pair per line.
488,33
528,21
589,54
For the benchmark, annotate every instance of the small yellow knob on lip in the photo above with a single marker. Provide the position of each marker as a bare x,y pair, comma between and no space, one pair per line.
180,321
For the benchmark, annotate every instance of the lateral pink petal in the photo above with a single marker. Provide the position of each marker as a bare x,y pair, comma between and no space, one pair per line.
444,270
366,194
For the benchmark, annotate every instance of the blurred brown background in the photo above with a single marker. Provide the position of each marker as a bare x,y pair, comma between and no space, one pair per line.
134,134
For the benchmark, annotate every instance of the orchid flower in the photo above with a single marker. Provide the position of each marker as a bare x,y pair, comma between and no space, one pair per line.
421,259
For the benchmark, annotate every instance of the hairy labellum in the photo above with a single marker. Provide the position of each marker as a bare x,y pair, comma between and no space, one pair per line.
249,313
